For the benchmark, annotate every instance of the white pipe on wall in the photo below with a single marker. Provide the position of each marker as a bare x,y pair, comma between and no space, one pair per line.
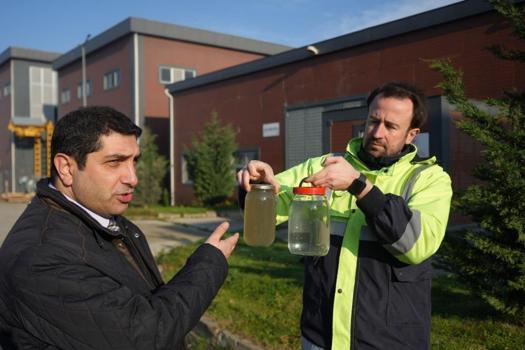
136,78
172,148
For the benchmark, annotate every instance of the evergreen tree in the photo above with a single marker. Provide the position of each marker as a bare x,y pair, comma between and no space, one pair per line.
151,170
210,162
491,258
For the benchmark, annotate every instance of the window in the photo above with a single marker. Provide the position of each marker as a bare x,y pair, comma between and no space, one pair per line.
42,92
243,156
111,79
186,177
7,89
168,75
88,89
65,96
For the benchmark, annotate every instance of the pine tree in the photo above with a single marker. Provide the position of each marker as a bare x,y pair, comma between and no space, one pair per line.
151,170
210,162
491,258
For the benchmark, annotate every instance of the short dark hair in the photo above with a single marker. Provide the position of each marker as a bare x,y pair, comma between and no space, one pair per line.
404,90
78,133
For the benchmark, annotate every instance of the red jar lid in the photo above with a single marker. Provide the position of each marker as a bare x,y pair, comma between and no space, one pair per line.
309,190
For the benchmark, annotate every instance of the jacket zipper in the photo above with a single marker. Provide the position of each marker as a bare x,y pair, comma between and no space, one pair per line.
143,270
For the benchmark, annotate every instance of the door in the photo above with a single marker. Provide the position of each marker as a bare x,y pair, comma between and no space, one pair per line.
341,126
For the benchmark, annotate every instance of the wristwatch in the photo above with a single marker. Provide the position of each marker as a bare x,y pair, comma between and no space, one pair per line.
358,185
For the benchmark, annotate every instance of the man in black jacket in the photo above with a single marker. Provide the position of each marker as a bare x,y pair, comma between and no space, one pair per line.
75,274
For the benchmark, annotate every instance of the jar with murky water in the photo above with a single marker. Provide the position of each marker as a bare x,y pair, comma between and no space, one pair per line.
259,216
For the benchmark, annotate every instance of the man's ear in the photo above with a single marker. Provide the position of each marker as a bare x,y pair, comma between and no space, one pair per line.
65,166
411,135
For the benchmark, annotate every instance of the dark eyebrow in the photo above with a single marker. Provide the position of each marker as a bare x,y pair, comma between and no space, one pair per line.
391,123
118,157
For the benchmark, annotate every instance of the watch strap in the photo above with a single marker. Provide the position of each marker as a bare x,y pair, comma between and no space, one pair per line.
358,185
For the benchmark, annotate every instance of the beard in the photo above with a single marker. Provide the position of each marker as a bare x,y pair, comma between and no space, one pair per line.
375,147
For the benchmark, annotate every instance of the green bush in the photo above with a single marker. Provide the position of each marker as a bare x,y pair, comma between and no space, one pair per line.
210,162
151,169
491,258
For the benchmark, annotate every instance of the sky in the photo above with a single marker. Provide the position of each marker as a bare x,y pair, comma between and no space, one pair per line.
60,25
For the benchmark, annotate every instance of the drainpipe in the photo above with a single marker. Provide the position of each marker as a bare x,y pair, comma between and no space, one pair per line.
172,149
136,82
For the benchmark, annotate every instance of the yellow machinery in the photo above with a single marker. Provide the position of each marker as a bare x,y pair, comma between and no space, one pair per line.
36,132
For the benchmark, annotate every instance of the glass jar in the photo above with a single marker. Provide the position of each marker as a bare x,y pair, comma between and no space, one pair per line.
309,222
259,216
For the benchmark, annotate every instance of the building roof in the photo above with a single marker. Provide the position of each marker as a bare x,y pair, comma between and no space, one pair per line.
169,31
405,25
27,54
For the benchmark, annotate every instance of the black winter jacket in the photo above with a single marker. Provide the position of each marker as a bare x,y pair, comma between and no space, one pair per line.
64,284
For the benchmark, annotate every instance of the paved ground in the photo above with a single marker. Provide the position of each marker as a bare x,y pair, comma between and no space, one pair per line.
164,235
9,212
161,235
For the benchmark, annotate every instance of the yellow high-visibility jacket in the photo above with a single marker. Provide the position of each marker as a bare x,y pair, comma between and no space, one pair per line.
373,287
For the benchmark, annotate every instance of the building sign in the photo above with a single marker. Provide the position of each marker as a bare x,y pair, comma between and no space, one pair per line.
270,129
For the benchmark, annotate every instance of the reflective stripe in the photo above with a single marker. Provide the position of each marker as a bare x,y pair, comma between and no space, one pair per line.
409,185
413,229
409,237
337,228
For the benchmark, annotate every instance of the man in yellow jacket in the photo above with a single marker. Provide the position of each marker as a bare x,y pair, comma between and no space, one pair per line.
389,210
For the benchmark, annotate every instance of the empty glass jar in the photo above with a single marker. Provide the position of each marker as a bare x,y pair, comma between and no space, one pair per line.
259,216
309,222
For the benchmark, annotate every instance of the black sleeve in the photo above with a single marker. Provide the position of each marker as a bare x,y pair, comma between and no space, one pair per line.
241,197
387,215
76,306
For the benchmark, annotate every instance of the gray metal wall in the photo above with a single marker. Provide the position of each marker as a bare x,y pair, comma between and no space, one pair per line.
24,155
304,127
20,86
303,137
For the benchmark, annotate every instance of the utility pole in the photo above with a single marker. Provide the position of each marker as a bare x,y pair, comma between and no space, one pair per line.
84,92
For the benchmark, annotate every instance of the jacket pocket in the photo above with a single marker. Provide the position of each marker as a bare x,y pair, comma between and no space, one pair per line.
409,298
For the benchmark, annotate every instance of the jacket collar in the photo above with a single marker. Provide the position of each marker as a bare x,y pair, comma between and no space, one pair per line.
44,191
354,150
381,162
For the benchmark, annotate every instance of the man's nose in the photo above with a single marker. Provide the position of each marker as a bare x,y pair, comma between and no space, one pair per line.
130,176
379,131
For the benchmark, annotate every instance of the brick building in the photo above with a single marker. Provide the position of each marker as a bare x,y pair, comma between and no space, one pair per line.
311,100
128,65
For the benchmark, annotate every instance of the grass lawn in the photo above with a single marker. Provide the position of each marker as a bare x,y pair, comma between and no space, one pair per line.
462,321
154,210
261,301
